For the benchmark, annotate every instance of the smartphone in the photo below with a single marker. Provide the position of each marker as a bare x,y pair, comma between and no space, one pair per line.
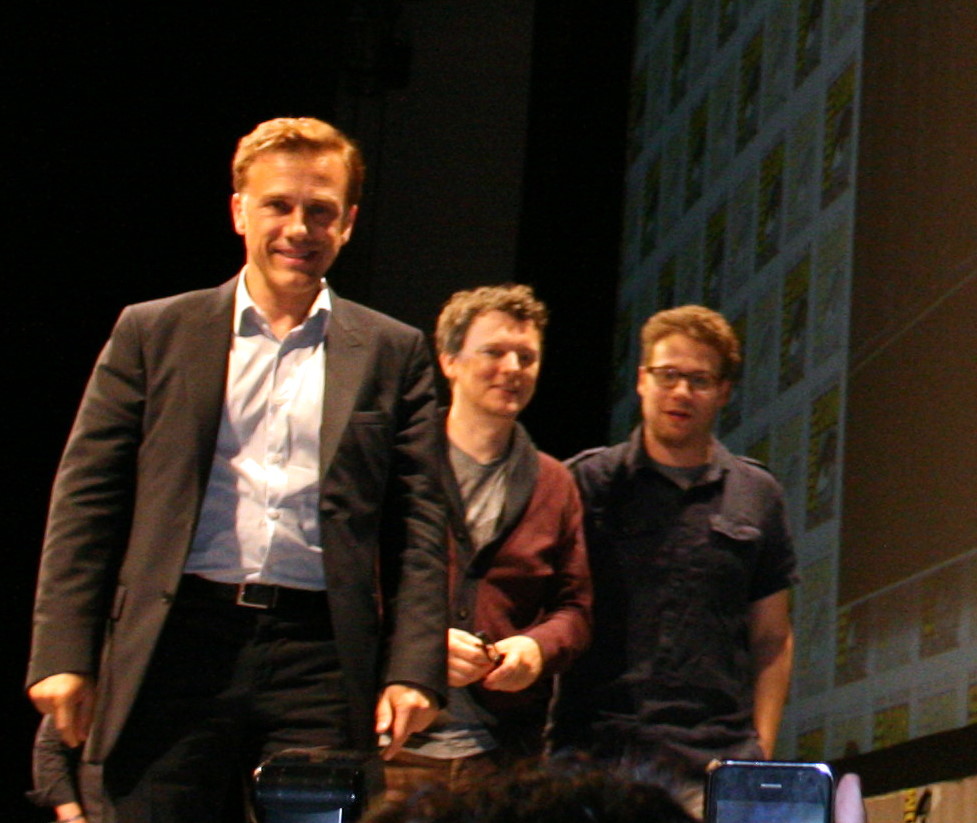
740,791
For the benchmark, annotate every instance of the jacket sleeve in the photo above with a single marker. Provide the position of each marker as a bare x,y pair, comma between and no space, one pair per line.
564,632
417,588
90,512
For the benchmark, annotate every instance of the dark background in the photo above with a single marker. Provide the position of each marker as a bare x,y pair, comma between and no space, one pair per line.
119,127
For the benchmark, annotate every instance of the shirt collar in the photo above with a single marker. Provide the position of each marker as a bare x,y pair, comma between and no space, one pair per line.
638,459
248,318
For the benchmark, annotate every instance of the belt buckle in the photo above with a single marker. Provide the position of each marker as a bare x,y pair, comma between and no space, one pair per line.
256,595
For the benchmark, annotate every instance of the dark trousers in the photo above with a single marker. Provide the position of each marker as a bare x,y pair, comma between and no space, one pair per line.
228,686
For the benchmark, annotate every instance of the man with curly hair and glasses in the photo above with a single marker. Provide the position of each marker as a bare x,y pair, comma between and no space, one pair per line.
692,562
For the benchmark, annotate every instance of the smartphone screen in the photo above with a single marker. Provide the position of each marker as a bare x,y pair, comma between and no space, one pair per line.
769,792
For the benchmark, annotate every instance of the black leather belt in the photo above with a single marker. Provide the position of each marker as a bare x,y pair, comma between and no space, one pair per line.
261,596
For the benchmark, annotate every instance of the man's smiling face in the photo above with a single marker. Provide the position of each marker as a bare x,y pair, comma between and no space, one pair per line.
495,372
292,214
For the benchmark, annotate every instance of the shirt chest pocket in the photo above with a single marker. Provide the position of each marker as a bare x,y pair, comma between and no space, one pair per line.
736,530
734,546
369,417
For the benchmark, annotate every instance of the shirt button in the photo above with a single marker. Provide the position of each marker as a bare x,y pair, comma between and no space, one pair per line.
274,514
463,614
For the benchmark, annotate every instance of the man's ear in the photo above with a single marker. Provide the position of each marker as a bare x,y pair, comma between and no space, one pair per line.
237,213
348,220
642,384
447,362
724,390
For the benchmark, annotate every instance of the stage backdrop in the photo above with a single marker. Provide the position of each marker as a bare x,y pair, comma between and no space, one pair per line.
809,168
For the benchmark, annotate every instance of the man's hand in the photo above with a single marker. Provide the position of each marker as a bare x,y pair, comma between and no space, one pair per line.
521,665
468,658
401,711
71,699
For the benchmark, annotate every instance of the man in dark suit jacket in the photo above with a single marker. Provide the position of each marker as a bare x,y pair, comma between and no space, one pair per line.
243,551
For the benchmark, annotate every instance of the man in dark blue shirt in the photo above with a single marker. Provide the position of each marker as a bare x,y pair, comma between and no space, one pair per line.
691,561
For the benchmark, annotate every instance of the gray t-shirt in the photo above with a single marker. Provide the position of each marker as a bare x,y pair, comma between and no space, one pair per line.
482,487
685,477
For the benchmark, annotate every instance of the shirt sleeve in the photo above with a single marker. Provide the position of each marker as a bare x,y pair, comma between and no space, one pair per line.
776,561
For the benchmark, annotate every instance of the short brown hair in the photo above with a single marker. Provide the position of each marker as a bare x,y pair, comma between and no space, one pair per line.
463,307
297,134
701,324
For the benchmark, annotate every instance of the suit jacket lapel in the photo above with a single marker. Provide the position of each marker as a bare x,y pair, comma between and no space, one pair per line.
346,359
207,347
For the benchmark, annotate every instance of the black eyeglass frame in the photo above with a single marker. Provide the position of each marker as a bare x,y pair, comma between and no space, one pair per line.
668,377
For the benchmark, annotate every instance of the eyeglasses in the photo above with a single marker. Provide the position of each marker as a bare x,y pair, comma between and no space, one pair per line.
668,378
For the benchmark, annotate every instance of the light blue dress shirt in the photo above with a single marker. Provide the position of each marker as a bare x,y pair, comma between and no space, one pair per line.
260,516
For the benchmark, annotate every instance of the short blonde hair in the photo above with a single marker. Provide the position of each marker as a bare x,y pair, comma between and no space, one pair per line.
299,134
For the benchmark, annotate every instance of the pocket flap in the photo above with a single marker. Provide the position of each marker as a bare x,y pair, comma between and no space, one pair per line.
745,532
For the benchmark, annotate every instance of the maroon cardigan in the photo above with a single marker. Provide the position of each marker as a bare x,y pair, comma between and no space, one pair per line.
532,579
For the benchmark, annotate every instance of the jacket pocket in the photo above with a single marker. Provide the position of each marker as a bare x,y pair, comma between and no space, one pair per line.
369,417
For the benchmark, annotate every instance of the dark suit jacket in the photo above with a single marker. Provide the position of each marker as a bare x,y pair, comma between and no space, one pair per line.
129,489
